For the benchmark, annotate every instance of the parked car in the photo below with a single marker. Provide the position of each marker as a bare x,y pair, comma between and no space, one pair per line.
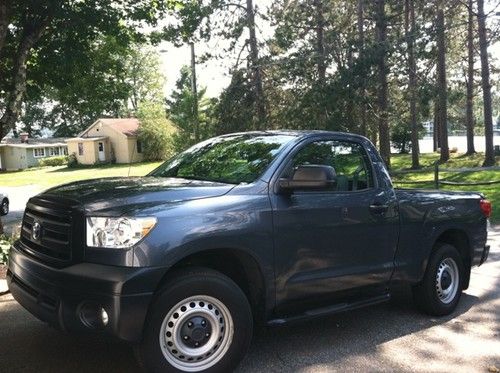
4,204
267,227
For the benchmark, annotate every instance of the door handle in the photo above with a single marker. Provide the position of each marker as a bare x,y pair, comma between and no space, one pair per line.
378,208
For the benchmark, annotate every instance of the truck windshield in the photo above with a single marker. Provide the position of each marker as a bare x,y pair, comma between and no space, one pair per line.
234,159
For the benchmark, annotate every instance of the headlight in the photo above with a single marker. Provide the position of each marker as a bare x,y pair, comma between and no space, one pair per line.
117,233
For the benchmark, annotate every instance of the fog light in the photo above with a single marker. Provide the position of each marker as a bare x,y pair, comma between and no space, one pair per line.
93,315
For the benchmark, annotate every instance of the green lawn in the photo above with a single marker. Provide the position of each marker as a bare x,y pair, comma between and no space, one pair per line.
492,192
51,176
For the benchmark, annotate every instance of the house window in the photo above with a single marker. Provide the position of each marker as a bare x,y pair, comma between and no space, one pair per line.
39,152
80,148
64,151
53,151
139,147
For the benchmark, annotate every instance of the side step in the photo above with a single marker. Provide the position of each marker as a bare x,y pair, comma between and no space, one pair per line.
330,310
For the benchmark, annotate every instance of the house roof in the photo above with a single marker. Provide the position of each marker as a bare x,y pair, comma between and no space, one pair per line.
34,143
125,126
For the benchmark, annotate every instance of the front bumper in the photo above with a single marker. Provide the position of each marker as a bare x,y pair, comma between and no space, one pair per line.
57,296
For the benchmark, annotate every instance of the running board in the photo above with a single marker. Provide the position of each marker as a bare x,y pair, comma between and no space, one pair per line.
330,310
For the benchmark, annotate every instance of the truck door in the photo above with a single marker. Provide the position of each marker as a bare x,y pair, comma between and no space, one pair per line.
329,242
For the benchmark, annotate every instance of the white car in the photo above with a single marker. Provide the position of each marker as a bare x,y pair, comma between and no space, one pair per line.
4,204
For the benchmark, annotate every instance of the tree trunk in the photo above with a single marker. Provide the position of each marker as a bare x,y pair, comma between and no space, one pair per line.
31,35
410,30
383,124
469,110
5,10
442,87
489,157
435,127
361,38
256,69
194,91
320,43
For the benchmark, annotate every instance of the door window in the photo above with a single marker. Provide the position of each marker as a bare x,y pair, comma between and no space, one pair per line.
349,160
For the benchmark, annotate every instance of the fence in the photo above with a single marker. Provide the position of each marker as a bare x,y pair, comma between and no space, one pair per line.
436,181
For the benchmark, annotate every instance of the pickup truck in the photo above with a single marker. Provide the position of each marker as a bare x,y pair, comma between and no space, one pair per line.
264,227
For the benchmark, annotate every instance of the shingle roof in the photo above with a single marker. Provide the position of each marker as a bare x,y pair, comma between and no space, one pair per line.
32,142
127,126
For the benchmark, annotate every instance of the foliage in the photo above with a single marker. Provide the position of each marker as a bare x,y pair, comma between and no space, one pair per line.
5,244
53,161
155,131
72,160
180,110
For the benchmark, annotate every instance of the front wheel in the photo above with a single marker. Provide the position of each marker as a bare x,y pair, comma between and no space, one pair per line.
200,322
440,290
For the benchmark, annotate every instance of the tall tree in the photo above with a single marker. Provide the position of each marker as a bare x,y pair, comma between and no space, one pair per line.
410,30
260,100
362,88
469,112
441,83
384,136
489,157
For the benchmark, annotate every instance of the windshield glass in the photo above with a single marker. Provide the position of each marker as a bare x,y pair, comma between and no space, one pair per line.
232,159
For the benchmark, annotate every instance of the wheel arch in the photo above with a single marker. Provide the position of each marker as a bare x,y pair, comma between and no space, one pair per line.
459,239
238,265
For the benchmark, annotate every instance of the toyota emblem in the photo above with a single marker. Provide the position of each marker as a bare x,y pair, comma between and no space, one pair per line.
36,232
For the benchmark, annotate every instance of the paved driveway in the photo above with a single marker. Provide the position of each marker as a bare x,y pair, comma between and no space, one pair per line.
389,337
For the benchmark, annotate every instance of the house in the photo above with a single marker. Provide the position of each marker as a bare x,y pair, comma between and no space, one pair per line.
23,152
108,140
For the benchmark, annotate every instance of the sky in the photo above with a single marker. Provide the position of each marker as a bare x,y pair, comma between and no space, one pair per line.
213,74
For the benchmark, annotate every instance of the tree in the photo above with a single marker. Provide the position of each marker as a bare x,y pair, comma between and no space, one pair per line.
410,30
155,131
142,74
441,84
489,157
361,41
381,25
469,122
192,125
52,28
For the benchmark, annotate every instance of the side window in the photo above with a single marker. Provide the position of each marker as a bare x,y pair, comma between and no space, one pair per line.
349,160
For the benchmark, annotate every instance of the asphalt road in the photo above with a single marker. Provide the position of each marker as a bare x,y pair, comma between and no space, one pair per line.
389,337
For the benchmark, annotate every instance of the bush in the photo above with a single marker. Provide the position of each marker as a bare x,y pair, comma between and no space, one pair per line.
60,160
155,132
5,243
72,161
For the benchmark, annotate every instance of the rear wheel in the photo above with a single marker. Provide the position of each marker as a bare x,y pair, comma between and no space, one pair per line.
200,322
4,207
440,290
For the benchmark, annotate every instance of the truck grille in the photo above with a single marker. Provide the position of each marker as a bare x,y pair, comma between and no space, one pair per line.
47,230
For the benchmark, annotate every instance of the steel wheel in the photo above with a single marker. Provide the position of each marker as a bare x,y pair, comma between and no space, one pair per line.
196,333
447,280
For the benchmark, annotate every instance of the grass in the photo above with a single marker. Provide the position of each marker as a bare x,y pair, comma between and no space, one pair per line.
52,176
401,162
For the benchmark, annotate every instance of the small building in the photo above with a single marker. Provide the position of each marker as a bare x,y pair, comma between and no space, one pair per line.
108,140
23,152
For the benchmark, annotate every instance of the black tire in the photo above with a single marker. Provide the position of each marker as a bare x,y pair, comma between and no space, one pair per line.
4,207
427,293
181,286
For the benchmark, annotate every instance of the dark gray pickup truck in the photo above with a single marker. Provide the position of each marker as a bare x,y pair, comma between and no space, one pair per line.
269,227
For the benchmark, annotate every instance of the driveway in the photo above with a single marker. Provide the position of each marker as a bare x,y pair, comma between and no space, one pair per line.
389,337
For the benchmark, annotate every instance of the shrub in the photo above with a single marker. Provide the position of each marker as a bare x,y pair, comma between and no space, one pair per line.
155,132
60,160
5,243
72,161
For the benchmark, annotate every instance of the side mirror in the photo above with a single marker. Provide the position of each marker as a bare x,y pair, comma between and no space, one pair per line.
309,177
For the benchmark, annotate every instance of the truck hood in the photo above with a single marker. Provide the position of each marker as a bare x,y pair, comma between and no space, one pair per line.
122,194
